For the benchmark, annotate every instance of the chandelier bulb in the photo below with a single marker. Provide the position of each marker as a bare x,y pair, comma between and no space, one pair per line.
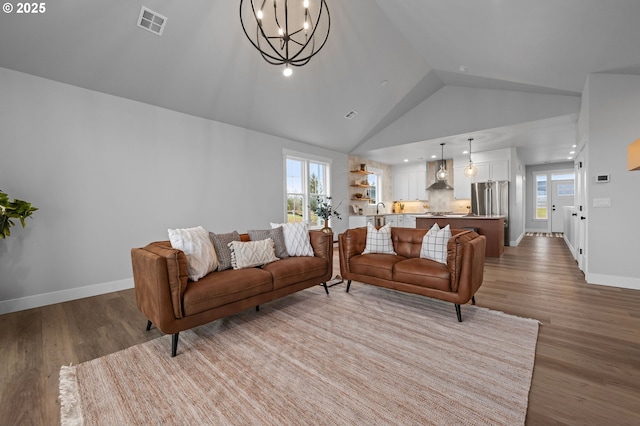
259,14
306,4
287,71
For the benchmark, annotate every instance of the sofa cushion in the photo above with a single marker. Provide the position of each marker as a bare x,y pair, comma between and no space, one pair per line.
296,238
375,264
276,234
295,269
252,253
221,244
197,246
422,272
407,242
378,240
434,244
223,287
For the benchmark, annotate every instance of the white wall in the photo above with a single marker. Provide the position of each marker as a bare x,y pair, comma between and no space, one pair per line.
109,174
613,235
517,199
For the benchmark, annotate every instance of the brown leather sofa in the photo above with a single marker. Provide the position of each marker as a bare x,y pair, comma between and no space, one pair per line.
173,304
455,282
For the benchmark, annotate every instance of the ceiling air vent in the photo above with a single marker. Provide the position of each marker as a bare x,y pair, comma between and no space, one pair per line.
351,114
151,21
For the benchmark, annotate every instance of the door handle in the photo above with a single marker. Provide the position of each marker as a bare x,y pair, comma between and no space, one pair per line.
582,218
574,214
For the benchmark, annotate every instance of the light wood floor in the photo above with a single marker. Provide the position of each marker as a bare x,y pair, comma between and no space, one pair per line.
587,369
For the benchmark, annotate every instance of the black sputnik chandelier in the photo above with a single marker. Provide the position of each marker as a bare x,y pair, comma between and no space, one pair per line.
287,32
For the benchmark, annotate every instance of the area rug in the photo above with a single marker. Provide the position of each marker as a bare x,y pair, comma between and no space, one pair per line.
371,356
545,234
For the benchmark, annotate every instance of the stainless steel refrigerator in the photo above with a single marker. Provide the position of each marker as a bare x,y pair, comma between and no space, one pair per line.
491,198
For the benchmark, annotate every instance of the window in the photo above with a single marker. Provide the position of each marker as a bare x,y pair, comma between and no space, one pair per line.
541,196
306,180
375,183
565,189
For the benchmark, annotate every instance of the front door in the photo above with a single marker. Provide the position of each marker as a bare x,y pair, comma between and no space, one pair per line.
562,194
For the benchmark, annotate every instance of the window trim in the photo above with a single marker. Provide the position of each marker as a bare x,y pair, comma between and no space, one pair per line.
535,196
306,159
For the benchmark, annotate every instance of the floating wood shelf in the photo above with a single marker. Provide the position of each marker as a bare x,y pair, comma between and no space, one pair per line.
362,172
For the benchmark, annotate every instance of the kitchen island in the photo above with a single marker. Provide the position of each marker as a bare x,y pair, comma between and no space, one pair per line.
492,227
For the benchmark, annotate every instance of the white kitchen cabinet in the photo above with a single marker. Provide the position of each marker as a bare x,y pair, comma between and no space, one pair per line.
461,184
409,186
499,170
391,220
409,221
401,186
484,172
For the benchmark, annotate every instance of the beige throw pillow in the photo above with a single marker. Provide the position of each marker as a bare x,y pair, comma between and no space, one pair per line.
252,253
197,246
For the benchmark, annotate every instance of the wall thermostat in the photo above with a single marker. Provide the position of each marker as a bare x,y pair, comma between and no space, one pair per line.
602,178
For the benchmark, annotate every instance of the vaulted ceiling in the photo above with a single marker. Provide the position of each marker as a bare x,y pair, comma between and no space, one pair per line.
384,59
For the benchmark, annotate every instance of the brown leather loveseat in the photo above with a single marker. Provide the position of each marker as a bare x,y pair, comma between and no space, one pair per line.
174,304
456,281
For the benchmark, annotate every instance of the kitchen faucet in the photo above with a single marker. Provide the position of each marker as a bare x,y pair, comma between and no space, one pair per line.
378,212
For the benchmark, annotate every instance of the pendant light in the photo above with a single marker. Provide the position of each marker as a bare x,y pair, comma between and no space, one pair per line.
442,174
470,171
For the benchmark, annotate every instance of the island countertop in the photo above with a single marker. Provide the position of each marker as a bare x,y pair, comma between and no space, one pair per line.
455,216
492,227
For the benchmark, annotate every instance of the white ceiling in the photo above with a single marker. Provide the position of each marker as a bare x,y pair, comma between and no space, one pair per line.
203,65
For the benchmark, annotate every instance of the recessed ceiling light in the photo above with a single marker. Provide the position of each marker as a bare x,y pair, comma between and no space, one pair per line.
384,83
463,68
569,158
406,160
574,146
465,152
572,152
434,156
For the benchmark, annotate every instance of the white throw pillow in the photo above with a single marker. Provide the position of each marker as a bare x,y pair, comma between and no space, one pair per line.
296,238
252,253
434,244
197,246
379,240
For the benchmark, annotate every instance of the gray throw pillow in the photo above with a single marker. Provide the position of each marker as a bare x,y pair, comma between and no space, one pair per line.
220,243
276,234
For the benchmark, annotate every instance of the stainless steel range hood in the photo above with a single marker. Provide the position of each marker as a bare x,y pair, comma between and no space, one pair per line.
438,185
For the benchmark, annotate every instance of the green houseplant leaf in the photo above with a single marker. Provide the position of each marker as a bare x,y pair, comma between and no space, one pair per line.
16,209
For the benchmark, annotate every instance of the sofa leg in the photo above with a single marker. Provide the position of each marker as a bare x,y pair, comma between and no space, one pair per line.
348,285
148,325
473,300
174,344
324,284
458,313
257,308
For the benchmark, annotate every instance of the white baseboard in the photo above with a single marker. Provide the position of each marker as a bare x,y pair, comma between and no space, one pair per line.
38,300
571,249
516,242
613,281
